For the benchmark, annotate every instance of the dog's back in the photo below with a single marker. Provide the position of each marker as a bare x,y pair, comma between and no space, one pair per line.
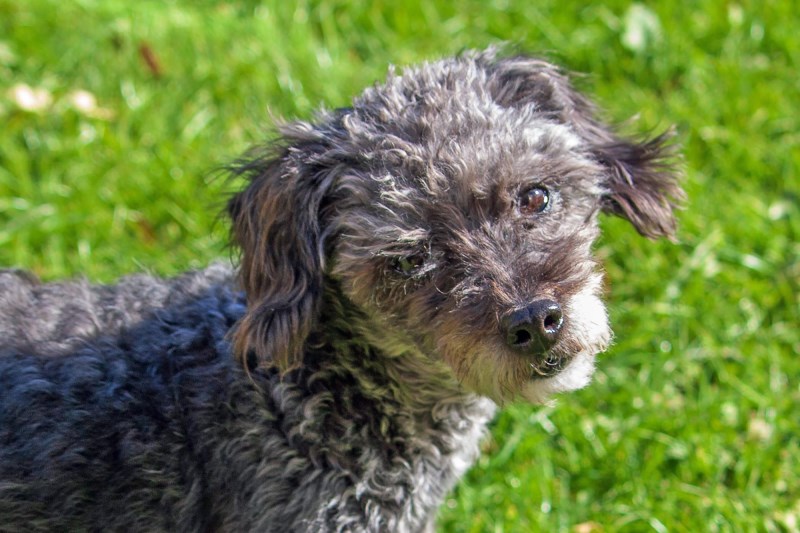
91,392
52,318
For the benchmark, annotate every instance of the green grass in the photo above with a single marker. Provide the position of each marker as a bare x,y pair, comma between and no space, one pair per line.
693,422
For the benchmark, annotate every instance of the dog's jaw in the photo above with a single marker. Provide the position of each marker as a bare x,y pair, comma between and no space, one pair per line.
576,375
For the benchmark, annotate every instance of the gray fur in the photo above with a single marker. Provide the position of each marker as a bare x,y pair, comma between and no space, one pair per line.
342,376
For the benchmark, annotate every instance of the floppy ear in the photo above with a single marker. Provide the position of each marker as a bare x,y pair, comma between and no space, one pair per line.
643,184
642,179
277,225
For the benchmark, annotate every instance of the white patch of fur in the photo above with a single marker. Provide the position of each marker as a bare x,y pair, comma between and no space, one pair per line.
575,376
588,317
560,133
476,430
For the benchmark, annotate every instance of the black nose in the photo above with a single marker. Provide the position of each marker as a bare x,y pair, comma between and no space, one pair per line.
534,329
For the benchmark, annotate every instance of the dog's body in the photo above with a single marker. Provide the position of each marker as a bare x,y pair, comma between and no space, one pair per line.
406,264
135,416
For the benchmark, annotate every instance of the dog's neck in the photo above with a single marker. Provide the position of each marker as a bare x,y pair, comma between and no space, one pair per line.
392,368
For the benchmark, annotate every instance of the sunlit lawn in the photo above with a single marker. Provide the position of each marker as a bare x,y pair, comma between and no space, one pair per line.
116,116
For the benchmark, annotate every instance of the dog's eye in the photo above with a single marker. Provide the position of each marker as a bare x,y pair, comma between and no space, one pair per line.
410,264
534,200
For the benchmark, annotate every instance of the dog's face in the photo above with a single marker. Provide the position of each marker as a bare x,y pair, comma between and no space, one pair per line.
456,205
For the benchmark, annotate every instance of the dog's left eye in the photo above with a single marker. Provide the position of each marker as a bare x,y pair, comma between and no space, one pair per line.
534,200
409,264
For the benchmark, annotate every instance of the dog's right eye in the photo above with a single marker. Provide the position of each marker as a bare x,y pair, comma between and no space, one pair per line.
410,264
534,200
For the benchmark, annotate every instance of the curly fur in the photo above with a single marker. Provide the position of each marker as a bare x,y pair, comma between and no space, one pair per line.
322,385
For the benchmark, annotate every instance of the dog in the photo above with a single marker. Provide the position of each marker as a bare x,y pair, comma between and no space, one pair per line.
406,265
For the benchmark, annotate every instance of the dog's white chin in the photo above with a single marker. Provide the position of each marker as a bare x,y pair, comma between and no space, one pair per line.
576,375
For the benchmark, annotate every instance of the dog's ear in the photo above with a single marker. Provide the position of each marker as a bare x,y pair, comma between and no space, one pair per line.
277,224
643,184
643,181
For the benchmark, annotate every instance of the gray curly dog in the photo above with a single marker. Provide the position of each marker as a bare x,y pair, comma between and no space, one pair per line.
407,264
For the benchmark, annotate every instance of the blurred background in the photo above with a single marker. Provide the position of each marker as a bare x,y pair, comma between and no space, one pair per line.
117,115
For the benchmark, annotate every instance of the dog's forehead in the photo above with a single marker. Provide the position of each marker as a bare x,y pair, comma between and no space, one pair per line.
464,82
442,118
449,98
443,156
434,141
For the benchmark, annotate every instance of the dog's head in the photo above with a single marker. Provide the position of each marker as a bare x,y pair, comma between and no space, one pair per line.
456,206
